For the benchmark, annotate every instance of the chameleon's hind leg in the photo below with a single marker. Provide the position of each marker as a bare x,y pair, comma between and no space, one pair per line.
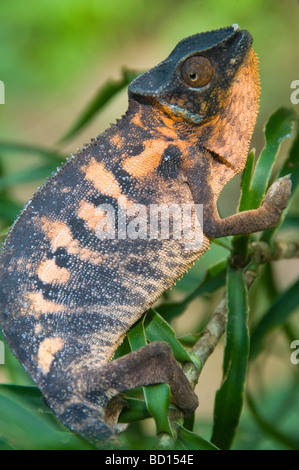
150,364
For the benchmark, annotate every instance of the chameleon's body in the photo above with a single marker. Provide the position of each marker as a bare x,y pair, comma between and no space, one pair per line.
68,297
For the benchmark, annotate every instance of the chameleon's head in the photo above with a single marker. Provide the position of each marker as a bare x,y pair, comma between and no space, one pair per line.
211,81
191,83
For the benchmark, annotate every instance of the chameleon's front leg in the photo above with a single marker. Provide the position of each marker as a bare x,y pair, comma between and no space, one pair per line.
255,220
151,364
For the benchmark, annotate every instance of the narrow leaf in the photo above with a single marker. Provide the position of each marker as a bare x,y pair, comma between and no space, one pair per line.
135,411
27,175
102,97
229,398
278,128
241,242
277,315
157,329
136,336
24,394
192,441
270,428
22,429
156,397
290,167
246,181
51,155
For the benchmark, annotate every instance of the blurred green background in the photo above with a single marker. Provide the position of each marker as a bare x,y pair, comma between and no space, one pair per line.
56,54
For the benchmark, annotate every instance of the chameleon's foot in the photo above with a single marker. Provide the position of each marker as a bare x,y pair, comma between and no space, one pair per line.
278,194
151,364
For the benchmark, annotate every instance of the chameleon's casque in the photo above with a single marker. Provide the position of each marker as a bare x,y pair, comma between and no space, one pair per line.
67,296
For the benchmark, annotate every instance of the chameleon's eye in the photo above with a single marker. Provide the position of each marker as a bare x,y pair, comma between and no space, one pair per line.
197,71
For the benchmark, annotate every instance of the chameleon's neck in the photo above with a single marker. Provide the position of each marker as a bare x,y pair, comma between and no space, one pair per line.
229,133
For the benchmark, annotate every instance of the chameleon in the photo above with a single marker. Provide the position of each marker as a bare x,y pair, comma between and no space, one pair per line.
68,294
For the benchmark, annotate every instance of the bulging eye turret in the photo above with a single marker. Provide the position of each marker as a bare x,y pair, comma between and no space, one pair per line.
197,71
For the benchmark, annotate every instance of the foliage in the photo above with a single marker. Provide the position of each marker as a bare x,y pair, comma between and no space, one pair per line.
27,423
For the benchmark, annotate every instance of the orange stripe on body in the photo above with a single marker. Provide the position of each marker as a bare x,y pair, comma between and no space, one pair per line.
49,272
47,350
39,305
102,179
60,236
147,161
90,214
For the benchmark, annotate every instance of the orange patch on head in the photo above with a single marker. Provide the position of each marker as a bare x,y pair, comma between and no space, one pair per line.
167,121
47,350
90,214
147,161
137,121
49,272
167,132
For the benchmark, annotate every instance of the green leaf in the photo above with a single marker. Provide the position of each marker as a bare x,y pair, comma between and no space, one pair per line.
157,329
157,397
135,411
136,336
240,243
102,97
229,398
213,280
270,428
9,209
27,175
189,340
31,395
192,441
246,181
51,155
291,221
21,428
277,315
290,167
278,128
